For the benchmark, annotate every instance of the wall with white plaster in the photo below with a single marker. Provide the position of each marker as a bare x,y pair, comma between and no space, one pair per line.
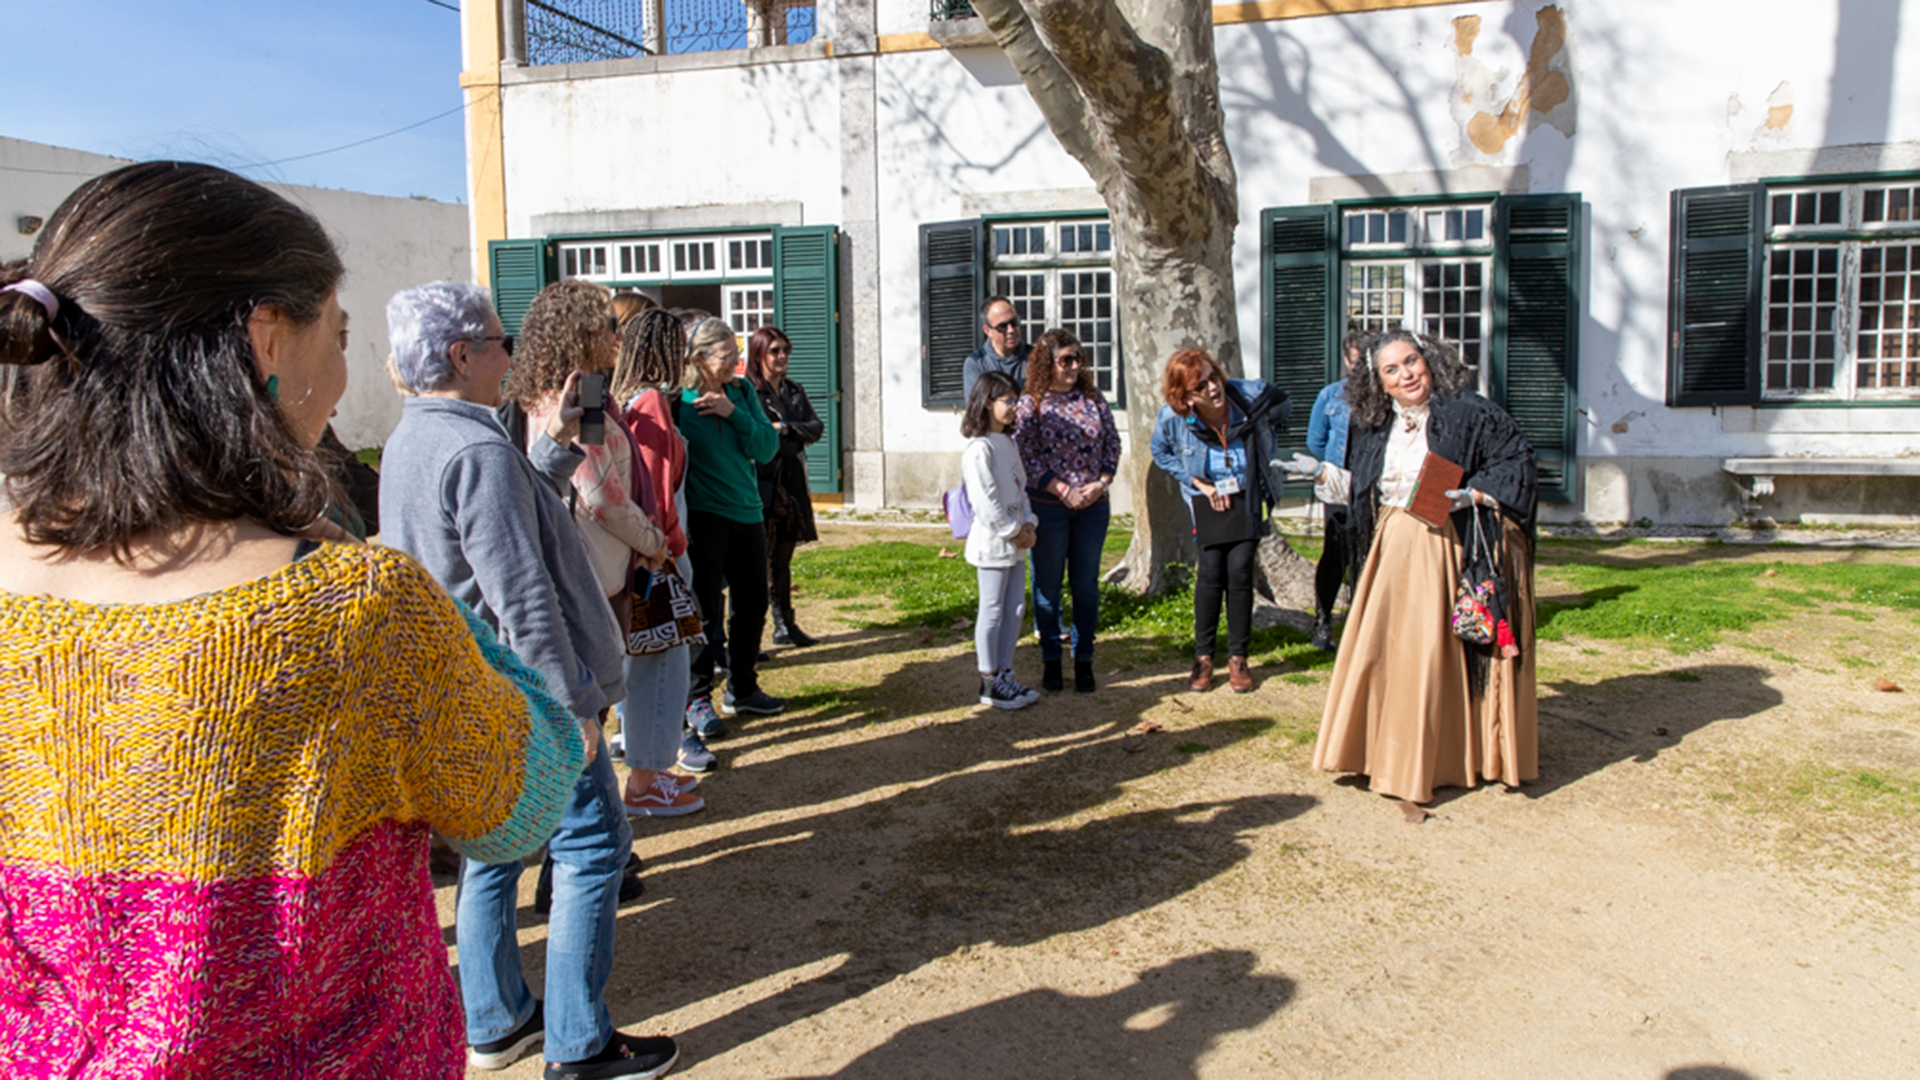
387,244
1660,96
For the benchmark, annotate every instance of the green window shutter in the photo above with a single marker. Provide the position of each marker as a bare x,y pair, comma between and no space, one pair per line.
806,304
1718,241
951,291
1536,329
1299,311
519,269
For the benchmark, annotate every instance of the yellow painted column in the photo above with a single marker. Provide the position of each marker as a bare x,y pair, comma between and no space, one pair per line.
486,141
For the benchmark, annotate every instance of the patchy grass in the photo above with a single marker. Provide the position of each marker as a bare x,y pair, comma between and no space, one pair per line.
1687,604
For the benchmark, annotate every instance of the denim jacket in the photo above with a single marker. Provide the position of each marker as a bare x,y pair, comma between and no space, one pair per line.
1181,454
1327,427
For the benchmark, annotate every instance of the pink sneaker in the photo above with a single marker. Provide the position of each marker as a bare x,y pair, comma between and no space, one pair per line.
662,797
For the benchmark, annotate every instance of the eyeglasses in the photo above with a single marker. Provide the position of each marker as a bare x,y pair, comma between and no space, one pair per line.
505,340
1011,401
1071,359
1007,327
780,350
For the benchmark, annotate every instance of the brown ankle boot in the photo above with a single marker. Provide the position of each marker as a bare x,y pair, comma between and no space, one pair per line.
1201,680
1238,677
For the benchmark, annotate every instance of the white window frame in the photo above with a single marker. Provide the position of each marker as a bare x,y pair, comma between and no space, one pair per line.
669,258
1040,277
1421,250
1853,240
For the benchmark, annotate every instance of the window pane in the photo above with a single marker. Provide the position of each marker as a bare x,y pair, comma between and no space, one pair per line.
1102,237
1476,224
1397,227
1885,342
736,258
1800,317
1783,209
1829,208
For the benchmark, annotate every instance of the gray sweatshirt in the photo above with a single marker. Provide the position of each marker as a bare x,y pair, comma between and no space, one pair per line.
458,496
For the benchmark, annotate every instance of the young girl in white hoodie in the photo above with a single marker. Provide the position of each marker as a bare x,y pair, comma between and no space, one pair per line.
1002,531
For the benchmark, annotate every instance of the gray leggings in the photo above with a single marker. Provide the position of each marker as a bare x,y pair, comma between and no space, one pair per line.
1003,602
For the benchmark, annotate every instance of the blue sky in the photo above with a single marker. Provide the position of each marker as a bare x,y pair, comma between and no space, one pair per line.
235,83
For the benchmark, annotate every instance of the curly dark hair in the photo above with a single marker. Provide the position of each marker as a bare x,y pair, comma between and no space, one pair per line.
1040,364
558,333
141,409
1371,403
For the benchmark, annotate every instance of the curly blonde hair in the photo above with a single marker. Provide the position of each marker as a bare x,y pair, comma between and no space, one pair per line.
560,331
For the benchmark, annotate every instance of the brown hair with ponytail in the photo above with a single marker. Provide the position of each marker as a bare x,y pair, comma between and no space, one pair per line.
137,408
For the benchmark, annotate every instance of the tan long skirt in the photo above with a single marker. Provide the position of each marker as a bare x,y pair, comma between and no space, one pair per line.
1399,709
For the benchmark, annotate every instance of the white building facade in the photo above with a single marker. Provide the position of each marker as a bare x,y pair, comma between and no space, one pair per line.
1680,243
388,244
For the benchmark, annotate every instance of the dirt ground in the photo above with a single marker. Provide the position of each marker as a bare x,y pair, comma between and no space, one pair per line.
894,882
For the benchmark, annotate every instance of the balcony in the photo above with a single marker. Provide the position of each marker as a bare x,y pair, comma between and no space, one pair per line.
580,31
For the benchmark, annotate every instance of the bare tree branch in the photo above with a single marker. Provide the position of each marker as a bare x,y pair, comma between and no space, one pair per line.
1051,87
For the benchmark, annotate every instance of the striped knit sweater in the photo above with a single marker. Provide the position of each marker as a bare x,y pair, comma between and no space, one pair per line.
214,816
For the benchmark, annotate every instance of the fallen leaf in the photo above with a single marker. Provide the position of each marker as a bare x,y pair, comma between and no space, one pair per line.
1769,572
926,636
1146,727
1659,731
1887,686
1178,704
1132,744
945,554
962,623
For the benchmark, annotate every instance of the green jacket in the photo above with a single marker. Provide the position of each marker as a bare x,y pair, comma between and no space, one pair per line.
722,453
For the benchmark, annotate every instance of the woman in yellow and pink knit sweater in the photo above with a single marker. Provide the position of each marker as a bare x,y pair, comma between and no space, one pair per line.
221,746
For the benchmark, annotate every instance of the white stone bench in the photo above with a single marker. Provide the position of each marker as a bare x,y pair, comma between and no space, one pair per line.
1760,472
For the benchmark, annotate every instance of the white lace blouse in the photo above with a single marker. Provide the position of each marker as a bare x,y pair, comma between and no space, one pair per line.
1399,473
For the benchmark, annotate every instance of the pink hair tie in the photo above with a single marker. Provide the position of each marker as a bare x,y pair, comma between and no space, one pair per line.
30,287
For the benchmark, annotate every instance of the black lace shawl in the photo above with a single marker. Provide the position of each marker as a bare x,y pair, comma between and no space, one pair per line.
1483,440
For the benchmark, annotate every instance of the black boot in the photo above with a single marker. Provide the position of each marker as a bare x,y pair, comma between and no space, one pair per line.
1323,631
786,631
1050,676
1083,676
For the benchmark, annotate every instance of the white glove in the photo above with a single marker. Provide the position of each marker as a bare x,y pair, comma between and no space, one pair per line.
1463,498
1303,466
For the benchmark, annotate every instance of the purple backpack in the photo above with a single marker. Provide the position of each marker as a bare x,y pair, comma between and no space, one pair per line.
959,511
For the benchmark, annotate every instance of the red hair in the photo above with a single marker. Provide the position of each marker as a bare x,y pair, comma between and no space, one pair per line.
757,347
1187,371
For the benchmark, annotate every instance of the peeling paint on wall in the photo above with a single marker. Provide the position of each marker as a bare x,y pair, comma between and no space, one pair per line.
1544,92
1779,109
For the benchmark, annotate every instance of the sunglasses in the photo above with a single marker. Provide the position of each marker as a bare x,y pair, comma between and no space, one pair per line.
1005,327
505,340
780,350
1068,359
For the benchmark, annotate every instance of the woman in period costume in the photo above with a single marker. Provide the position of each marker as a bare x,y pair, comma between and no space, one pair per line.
1412,706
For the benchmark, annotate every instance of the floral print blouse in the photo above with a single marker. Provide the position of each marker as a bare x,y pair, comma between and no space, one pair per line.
1069,437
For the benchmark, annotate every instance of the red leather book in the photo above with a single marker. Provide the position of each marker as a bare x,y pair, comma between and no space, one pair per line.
1437,477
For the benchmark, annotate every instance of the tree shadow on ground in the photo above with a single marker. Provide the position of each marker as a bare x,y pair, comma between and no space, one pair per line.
990,829
1586,727
1706,1072
1159,1027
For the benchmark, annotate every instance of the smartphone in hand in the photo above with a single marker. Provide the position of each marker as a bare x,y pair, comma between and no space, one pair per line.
593,399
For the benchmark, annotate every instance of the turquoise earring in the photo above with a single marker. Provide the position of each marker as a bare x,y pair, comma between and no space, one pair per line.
273,387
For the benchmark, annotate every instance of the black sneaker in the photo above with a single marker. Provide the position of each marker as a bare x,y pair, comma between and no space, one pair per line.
1050,676
758,703
500,1053
1083,677
633,1056
997,693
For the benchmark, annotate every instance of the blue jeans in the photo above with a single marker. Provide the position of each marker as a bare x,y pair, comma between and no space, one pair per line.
589,856
655,708
1067,542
